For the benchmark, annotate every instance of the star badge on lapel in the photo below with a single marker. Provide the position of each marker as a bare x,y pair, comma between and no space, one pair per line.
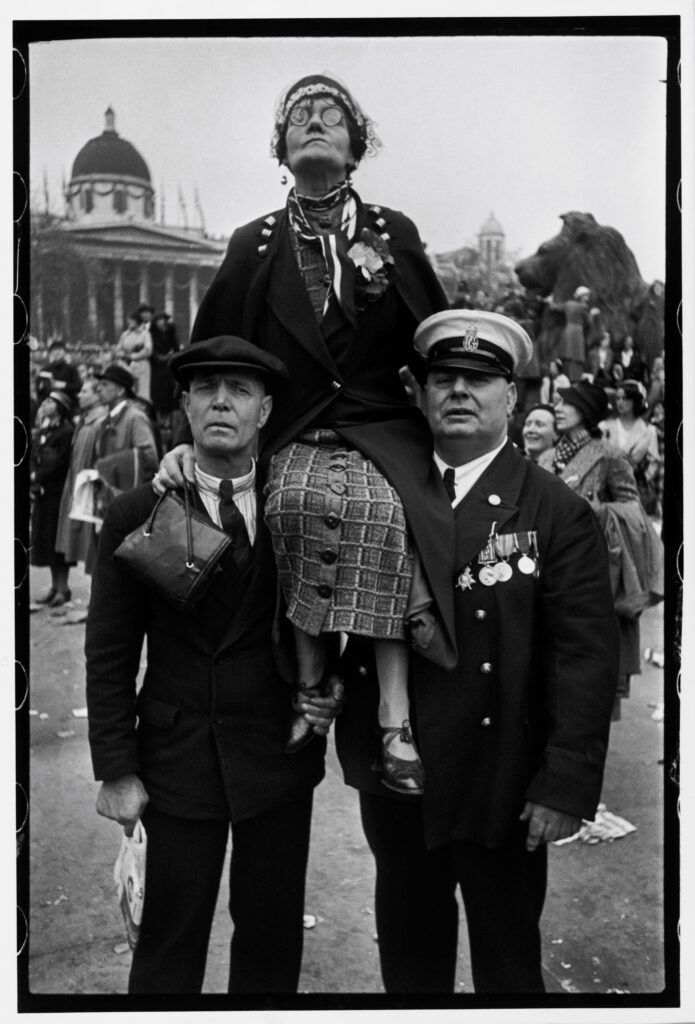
466,579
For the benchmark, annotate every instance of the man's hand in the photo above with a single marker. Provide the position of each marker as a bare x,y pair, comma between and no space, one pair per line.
123,800
174,466
320,711
547,825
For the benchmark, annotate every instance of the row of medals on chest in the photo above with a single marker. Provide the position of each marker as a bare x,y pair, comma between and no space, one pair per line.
494,564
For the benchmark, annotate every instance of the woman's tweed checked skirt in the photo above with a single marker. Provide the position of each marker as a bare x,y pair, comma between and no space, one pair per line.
340,539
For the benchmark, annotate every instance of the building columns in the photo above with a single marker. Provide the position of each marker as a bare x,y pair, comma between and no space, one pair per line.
193,297
118,319
92,312
169,291
144,284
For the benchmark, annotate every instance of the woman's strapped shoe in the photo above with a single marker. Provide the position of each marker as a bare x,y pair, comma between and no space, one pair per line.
60,597
401,776
47,597
300,731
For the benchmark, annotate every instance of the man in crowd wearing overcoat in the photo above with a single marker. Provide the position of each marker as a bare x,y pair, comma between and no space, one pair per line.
200,745
513,740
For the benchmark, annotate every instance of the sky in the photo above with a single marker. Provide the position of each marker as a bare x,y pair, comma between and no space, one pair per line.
526,127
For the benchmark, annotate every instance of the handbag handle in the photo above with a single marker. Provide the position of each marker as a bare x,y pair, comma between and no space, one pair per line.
189,534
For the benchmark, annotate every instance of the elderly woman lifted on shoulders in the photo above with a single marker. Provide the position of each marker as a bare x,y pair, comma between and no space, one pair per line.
336,288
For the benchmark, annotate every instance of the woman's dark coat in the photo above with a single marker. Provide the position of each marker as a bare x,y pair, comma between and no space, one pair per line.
258,293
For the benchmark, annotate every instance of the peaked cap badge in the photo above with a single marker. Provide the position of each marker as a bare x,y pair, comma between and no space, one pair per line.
470,342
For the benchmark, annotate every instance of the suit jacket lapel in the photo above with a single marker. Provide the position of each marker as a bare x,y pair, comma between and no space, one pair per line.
492,501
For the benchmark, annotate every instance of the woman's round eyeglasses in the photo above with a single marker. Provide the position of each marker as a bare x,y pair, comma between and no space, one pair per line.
331,116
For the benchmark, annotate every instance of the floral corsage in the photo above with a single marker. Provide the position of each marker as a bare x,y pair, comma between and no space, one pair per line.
371,256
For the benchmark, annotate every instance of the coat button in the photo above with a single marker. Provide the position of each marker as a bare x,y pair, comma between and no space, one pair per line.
336,385
479,614
494,499
362,670
338,488
329,556
486,723
326,279
486,668
324,590
331,520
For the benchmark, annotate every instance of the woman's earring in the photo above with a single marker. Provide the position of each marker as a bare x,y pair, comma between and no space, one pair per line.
283,179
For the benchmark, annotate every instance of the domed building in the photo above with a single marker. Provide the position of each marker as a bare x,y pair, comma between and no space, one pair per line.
118,253
110,180
491,241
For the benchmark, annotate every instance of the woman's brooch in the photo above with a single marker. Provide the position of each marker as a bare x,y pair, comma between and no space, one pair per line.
371,256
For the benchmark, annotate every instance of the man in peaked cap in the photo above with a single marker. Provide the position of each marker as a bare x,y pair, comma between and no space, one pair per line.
513,740
212,711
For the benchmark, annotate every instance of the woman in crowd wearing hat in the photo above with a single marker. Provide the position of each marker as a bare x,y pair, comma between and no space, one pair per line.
602,474
335,288
631,362
134,349
539,430
575,338
77,538
630,432
50,460
556,379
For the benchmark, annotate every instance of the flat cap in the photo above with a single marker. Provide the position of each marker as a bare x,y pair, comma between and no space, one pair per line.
473,339
225,352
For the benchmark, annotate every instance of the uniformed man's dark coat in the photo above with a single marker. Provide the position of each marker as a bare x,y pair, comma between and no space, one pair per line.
525,715
340,375
212,712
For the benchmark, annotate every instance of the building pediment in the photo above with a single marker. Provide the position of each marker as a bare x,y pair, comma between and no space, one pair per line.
149,236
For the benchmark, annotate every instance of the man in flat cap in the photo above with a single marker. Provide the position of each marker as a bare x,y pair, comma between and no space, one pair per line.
200,745
513,740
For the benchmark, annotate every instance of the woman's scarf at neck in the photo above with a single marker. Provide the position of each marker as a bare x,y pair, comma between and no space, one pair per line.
567,447
334,245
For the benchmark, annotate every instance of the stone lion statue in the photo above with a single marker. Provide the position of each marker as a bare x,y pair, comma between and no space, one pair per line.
590,254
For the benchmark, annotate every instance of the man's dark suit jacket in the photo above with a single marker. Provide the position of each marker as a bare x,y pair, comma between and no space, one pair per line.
525,715
206,730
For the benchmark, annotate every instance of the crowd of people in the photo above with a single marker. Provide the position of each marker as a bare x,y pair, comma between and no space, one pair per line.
458,566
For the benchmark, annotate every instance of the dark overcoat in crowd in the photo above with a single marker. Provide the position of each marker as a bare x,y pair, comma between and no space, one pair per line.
50,461
525,714
162,389
212,710
343,376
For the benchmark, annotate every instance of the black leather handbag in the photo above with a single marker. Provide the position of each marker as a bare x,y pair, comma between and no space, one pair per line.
176,551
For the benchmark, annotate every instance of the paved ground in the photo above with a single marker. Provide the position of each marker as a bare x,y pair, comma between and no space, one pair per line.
603,924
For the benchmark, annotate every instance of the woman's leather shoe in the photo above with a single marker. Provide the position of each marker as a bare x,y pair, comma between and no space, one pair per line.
47,597
300,731
399,775
59,598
